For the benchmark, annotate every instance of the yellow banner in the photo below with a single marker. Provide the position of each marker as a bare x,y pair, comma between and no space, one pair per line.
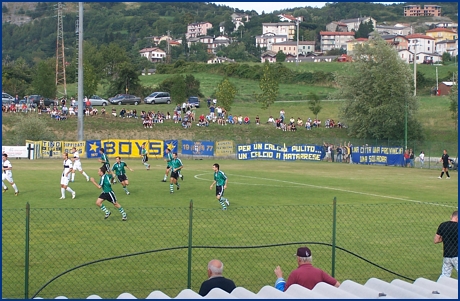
79,145
132,148
37,147
52,149
223,148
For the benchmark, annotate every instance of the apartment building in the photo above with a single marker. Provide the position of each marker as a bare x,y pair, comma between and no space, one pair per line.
427,11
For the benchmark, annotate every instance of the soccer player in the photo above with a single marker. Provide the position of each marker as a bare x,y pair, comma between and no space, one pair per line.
8,174
65,177
445,164
145,158
77,165
105,163
119,169
221,181
107,194
176,166
169,158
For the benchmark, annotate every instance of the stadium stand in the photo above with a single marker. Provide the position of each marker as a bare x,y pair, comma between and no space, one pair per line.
444,288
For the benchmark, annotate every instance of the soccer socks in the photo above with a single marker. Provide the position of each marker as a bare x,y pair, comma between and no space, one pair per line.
442,173
72,177
70,189
122,211
222,203
15,188
171,188
63,192
164,179
447,174
105,209
86,176
125,188
4,186
146,165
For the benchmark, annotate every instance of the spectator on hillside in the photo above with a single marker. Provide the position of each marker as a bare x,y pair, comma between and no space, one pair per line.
216,279
305,275
208,102
299,122
114,112
308,125
282,113
122,113
270,120
247,120
211,111
103,111
422,159
257,120
230,119
240,120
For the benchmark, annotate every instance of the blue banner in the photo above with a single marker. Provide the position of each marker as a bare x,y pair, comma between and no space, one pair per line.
380,155
172,145
302,152
92,148
198,148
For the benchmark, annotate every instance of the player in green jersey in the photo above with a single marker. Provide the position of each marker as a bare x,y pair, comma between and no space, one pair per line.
169,158
107,194
221,181
144,156
176,166
105,163
119,169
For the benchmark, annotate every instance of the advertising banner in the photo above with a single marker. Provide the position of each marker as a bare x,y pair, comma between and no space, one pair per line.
381,155
132,148
172,145
198,148
302,152
15,151
52,149
79,145
224,148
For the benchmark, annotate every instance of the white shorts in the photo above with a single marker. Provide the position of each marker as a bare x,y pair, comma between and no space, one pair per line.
77,165
7,177
64,180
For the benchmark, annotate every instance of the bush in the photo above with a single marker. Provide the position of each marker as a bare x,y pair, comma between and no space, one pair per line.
31,127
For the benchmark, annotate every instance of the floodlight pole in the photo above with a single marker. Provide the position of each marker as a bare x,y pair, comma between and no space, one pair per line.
80,71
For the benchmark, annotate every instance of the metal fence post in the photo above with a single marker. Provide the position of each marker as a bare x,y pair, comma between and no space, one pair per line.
189,264
334,228
26,257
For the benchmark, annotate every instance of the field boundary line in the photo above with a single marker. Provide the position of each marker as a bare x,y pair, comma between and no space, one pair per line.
336,189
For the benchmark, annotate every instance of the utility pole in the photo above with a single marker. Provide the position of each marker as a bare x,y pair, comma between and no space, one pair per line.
168,55
80,71
60,57
415,67
297,61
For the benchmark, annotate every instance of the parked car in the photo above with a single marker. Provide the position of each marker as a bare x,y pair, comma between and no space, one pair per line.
125,99
193,100
7,99
98,101
35,100
158,97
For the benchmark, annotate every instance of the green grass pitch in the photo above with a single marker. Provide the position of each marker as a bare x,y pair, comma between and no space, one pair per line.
388,215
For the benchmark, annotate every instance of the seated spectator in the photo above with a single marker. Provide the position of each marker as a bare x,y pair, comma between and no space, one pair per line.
299,122
283,126
134,113
122,113
114,112
291,121
278,123
305,275
293,128
247,120
64,110
235,120
270,120
308,125
318,123
103,111
168,116
230,119
257,120
240,120
147,122
71,111
215,279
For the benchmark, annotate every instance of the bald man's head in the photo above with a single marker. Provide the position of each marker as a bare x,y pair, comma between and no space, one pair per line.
215,268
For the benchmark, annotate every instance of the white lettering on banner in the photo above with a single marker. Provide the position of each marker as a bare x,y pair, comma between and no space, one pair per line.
15,151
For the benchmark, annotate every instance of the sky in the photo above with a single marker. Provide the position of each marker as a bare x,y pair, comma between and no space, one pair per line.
269,7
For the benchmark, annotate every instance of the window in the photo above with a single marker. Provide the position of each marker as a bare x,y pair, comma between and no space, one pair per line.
428,48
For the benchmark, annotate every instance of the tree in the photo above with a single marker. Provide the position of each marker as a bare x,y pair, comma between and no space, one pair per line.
376,88
314,104
280,57
269,84
453,106
44,79
192,86
125,80
178,89
446,57
226,92
90,80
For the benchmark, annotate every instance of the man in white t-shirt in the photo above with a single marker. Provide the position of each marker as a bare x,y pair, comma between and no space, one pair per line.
7,174
66,176
77,165
422,158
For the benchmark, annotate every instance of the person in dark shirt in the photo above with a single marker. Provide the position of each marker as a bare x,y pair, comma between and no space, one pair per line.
447,233
445,164
215,270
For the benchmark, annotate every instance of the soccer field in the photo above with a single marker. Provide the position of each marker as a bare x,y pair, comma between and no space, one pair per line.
387,215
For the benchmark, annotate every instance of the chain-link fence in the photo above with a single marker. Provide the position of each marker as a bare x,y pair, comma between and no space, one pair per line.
76,253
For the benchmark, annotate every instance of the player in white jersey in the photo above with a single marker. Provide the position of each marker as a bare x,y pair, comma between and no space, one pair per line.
8,174
77,165
65,177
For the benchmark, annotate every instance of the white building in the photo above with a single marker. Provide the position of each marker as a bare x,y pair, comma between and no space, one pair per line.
450,46
393,30
266,40
335,40
197,29
279,29
423,43
354,23
153,54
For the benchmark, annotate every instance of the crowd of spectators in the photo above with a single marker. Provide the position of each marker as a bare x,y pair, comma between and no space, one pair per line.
338,153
